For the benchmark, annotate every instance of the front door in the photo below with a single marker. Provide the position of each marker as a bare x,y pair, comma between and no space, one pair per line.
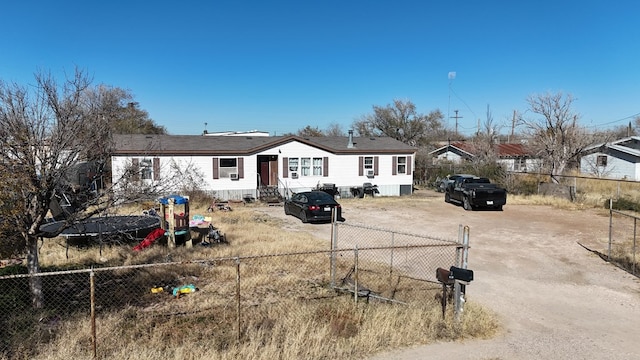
268,168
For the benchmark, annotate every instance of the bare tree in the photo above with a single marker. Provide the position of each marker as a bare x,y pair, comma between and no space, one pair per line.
126,115
335,129
400,121
556,133
46,131
309,131
485,139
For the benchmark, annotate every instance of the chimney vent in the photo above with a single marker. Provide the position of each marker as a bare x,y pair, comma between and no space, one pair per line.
350,143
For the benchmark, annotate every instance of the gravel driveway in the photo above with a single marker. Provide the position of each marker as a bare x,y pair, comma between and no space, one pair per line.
556,299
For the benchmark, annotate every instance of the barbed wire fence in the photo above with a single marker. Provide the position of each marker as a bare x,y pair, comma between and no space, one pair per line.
237,297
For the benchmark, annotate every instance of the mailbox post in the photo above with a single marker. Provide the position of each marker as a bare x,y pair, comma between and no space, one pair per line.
458,278
462,278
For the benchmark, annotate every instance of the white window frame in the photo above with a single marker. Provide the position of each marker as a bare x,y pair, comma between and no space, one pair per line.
519,164
227,166
305,166
294,164
601,160
146,169
317,166
367,163
401,165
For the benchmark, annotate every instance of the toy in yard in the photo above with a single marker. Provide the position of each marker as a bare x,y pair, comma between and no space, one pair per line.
150,239
185,289
214,236
220,206
174,219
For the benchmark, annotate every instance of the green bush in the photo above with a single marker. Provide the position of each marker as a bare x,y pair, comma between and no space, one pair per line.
624,204
523,184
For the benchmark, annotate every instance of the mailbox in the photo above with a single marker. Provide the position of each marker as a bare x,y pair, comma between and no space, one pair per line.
461,274
444,276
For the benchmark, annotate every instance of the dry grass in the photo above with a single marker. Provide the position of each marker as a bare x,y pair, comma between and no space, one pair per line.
333,330
288,309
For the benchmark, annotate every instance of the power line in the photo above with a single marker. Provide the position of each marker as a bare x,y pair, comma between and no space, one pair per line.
464,102
615,121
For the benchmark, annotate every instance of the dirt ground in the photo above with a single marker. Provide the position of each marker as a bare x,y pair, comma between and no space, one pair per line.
555,299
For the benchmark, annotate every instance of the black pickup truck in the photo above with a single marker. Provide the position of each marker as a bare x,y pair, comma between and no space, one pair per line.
475,192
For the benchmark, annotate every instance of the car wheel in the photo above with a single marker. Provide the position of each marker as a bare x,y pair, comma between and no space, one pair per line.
446,197
286,210
303,216
466,204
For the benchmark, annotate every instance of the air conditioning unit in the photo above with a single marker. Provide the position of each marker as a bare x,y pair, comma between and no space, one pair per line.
233,176
370,173
294,175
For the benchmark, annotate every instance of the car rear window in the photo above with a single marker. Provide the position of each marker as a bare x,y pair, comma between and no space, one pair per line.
317,197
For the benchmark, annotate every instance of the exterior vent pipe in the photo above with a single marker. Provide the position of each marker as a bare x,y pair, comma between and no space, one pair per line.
350,144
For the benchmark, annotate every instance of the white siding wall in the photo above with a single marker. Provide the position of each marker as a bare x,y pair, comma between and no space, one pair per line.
530,165
343,170
450,156
616,168
224,187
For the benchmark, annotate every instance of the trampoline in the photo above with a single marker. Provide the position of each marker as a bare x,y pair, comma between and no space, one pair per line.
103,229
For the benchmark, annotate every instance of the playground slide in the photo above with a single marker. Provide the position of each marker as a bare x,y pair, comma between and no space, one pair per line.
150,239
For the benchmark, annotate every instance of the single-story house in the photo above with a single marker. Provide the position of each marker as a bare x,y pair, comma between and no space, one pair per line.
239,167
514,156
618,159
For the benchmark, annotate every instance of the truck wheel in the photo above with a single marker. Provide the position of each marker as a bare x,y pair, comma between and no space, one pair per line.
446,197
466,204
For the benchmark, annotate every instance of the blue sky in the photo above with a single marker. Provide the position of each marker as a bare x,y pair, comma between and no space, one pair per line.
279,66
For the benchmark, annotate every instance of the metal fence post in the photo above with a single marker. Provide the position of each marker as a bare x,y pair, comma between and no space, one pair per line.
465,247
334,247
355,273
238,296
94,338
635,223
610,228
460,241
459,288
391,260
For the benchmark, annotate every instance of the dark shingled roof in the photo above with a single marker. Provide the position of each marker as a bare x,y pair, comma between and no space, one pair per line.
247,145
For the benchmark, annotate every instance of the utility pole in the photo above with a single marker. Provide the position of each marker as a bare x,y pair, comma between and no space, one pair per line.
456,117
513,124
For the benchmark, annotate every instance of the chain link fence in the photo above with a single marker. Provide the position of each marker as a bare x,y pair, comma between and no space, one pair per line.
393,265
412,255
622,248
222,301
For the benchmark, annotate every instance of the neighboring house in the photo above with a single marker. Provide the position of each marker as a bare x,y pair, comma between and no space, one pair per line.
619,159
237,167
514,157
236,133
